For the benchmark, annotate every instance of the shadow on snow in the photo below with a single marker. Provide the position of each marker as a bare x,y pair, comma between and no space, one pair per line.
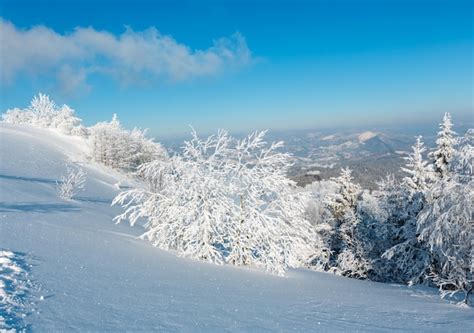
37,207
30,179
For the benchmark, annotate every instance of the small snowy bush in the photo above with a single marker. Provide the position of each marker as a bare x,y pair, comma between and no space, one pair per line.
71,183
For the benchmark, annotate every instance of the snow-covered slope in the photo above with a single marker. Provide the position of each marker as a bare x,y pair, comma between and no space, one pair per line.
83,272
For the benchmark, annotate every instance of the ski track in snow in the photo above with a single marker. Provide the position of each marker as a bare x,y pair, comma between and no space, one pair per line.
100,277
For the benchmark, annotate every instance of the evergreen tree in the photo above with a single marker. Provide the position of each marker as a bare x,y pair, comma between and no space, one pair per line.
444,151
347,251
419,173
447,227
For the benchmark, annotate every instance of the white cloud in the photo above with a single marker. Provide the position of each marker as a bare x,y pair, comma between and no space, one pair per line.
72,81
133,56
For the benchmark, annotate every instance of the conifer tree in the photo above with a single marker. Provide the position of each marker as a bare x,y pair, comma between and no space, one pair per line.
445,150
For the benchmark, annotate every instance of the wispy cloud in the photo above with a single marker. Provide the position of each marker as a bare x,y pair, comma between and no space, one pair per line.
131,57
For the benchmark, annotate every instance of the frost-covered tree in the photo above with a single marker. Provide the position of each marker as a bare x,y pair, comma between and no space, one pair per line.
447,227
393,198
224,201
121,149
446,223
71,183
269,211
445,149
463,161
375,232
66,121
434,243
321,219
419,173
345,197
348,255
44,112
407,258
17,116
352,257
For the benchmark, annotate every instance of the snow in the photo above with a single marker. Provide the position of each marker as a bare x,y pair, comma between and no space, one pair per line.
366,136
94,275
13,291
328,137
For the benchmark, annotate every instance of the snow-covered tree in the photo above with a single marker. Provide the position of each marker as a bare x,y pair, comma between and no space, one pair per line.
404,259
224,200
445,150
434,242
419,173
393,198
352,256
17,116
447,227
345,197
44,112
71,183
272,231
463,161
446,224
121,149
347,251
321,219
65,120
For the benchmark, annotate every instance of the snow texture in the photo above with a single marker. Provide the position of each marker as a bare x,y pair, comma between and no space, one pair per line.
15,288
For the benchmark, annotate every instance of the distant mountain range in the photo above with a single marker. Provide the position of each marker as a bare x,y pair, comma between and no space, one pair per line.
371,154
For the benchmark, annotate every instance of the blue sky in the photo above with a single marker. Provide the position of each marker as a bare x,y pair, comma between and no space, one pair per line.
241,65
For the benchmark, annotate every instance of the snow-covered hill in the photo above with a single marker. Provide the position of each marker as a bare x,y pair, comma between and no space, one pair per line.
66,266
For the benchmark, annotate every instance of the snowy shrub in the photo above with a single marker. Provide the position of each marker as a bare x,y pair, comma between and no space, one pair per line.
224,201
71,183
43,112
121,149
